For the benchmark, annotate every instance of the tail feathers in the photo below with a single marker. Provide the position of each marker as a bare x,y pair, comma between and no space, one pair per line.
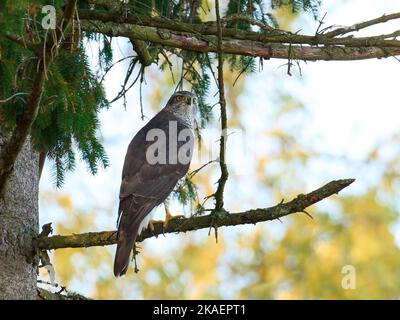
125,244
131,214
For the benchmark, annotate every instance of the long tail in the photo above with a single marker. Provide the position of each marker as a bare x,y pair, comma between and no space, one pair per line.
125,243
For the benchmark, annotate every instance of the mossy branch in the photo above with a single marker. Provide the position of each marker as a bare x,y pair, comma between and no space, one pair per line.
274,36
140,48
207,43
216,219
44,294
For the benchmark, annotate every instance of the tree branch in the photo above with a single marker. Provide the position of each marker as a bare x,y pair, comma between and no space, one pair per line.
299,204
12,148
362,25
192,42
210,28
35,48
44,294
140,48
219,194
12,97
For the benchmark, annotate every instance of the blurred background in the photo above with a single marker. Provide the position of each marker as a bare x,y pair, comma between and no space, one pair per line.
288,135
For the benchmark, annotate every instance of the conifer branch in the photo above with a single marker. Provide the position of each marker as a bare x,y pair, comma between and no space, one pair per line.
35,48
12,148
298,204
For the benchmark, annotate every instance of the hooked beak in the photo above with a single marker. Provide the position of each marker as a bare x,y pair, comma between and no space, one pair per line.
189,101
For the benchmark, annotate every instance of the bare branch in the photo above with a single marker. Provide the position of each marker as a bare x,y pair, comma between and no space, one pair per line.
219,194
362,25
299,204
250,20
12,97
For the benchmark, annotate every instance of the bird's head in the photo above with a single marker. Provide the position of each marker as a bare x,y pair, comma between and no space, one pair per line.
184,105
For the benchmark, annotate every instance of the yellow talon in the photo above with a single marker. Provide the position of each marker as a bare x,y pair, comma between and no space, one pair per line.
169,217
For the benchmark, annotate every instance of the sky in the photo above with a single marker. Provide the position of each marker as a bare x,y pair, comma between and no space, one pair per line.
352,106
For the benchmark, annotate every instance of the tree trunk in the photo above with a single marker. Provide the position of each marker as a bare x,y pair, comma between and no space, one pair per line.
19,219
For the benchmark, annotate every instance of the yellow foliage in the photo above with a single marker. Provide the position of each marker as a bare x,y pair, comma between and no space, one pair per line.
285,17
64,201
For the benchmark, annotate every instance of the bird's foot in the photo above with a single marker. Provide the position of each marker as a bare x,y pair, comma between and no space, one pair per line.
152,223
169,217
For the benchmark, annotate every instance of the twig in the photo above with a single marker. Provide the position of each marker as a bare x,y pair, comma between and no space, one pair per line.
250,20
110,67
362,25
124,89
241,72
169,65
140,91
194,172
13,96
321,22
299,204
219,194
184,72
211,69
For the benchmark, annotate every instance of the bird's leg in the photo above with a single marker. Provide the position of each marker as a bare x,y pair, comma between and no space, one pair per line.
168,218
168,215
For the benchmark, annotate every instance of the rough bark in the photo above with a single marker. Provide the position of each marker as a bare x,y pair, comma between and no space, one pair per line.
19,226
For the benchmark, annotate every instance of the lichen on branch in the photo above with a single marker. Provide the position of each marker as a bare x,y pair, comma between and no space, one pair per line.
298,204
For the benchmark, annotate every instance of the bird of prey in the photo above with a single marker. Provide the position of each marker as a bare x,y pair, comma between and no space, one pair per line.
158,157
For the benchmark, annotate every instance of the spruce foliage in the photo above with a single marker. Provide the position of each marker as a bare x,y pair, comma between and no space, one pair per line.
67,122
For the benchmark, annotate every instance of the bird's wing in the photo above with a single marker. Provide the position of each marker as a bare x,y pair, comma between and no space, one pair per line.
143,187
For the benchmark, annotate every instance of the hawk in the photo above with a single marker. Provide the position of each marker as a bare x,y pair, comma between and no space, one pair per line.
158,157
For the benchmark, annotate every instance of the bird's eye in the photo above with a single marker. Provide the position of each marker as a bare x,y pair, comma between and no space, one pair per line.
194,100
178,98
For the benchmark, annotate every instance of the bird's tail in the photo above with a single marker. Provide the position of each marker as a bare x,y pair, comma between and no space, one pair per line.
125,245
